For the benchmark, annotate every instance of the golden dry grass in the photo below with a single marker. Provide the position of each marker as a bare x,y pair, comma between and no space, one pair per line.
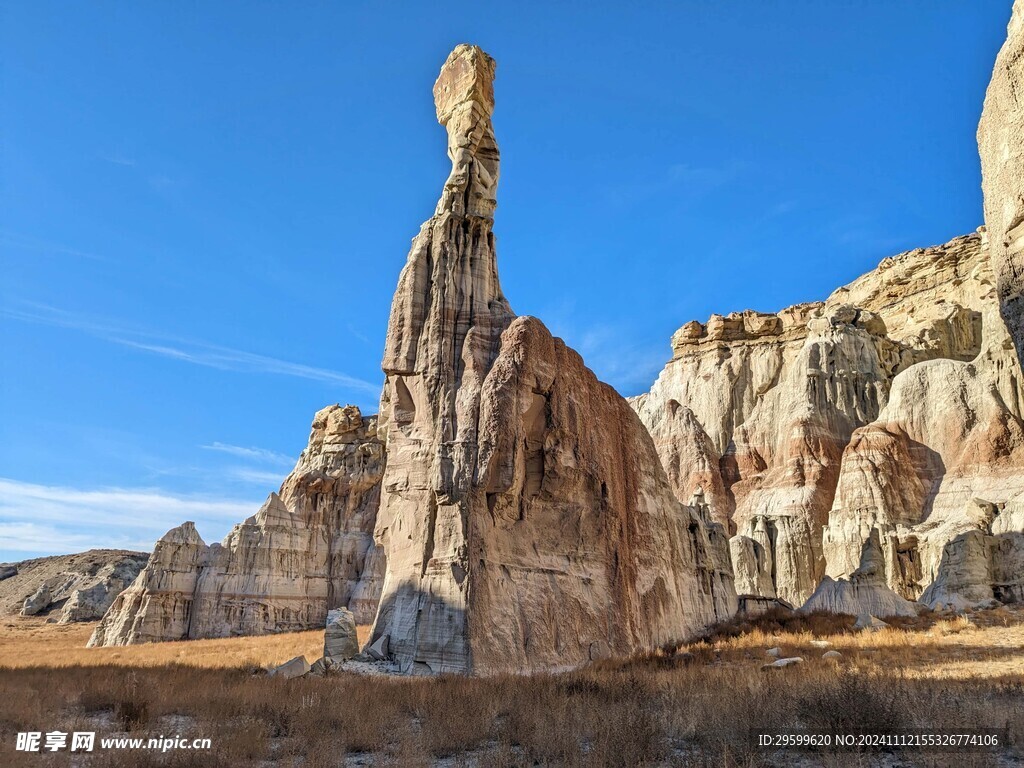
30,641
985,644
688,706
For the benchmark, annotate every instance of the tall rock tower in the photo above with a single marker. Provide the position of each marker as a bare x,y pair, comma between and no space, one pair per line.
446,318
526,519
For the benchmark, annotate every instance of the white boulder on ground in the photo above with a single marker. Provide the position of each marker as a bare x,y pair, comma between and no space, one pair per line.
870,623
782,663
296,667
37,602
340,640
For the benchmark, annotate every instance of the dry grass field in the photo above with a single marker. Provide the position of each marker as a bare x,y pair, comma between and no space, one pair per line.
31,642
691,705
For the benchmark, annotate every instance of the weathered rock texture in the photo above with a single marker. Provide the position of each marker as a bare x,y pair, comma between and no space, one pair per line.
1001,145
940,473
308,549
340,639
894,409
780,419
758,408
71,588
866,591
984,564
526,519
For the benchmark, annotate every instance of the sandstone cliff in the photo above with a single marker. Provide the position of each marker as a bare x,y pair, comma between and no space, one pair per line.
770,413
525,518
941,472
1001,146
308,549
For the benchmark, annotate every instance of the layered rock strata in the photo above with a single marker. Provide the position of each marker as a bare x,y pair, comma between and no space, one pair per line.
983,565
941,471
308,549
759,408
865,592
526,520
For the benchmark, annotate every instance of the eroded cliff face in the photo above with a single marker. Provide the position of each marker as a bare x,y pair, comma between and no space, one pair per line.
308,549
941,472
944,456
1001,146
526,520
758,409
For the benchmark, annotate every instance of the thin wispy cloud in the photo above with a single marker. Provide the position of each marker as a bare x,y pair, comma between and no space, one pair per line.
54,519
15,241
117,158
609,352
186,350
260,477
357,333
255,454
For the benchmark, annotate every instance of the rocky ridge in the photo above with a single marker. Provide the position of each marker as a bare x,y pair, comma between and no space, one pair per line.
758,408
68,588
308,549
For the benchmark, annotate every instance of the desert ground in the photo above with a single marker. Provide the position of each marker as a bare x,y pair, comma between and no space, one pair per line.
691,705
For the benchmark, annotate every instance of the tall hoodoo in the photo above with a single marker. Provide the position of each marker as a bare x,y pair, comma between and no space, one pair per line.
446,318
526,519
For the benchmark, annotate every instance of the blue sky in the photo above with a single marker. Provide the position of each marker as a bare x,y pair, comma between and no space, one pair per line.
205,208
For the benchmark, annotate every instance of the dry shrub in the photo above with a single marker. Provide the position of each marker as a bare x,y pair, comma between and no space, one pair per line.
456,714
853,700
779,621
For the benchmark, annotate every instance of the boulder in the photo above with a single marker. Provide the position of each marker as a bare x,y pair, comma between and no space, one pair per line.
832,655
7,571
782,663
869,623
38,601
340,640
378,649
321,667
774,652
297,667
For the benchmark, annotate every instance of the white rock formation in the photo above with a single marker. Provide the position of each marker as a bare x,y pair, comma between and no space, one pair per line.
297,667
866,591
758,410
938,472
526,519
37,601
340,640
309,548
